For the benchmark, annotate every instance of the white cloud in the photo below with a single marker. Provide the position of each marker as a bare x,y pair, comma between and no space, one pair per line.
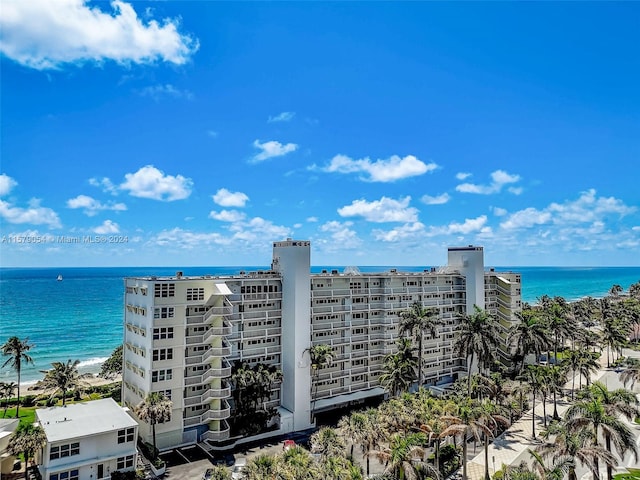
499,212
149,182
462,175
403,232
587,209
526,218
180,238
227,215
312,219
34,214
105,184
342,234
282,117
107,227
499,178
258,229
92,206
468,226
6,184
383,210
438,200
156,92
225,198
45,34
387,170
272,149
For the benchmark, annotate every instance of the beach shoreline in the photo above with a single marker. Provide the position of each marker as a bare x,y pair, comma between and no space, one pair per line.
31,389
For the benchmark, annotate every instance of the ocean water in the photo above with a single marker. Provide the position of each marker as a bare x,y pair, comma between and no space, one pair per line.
81,316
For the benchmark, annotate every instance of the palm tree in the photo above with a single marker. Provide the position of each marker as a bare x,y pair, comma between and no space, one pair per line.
556,315
320,356
616,403
339,468
467,422
6,391
528,335
417,321
587,366
327,443
593,416
27,439
404,457
62,377
399,368
477,338
556,378
534,377
631,374
580,445
156,408
296,464
490,416
262,467
556,471
615,290
16,350
220,472
353,427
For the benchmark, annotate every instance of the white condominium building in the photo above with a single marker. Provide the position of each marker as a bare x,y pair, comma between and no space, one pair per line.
182,334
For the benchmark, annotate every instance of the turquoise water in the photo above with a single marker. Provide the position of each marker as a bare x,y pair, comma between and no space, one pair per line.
81,316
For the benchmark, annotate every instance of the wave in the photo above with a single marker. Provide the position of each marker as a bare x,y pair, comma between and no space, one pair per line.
92,361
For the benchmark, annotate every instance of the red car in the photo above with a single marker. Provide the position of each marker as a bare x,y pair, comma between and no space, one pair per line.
288,444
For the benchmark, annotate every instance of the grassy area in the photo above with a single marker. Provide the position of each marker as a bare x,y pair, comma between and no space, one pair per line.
27,414
634,474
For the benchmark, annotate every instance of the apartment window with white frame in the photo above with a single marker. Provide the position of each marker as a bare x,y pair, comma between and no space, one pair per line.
161,375
126,435
161,333
66,450
162,354
70,475
125,462
194,294
164,290
163,312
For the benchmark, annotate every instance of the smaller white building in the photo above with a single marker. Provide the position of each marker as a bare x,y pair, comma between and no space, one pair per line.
7,427
87,441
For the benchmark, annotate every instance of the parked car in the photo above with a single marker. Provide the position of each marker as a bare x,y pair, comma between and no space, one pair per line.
238,468
288,444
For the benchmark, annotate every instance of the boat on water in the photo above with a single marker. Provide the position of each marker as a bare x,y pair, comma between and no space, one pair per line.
59,278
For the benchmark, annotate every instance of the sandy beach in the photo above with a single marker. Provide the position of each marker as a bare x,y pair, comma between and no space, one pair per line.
91,381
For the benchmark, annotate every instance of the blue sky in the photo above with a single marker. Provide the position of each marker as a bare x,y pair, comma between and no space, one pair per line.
197,133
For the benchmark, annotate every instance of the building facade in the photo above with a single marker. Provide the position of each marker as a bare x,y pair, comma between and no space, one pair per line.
87,441
182,334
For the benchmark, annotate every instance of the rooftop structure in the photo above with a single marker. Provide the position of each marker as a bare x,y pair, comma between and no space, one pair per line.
87,440
182,335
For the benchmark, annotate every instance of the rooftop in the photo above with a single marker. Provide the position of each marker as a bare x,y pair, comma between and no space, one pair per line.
83,419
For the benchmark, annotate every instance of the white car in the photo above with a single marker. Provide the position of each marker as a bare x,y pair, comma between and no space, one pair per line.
238,468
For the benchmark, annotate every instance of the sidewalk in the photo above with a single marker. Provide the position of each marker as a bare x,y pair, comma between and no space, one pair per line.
511,447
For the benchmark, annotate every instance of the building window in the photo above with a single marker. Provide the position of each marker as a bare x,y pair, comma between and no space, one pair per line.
66,450
161,375
126,435
195,294
164,312
70,475
162,333
163,354
164,290
125,462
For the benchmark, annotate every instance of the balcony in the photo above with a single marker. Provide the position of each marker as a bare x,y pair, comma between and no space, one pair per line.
222,413
211,394
209,375
219,435
209,315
